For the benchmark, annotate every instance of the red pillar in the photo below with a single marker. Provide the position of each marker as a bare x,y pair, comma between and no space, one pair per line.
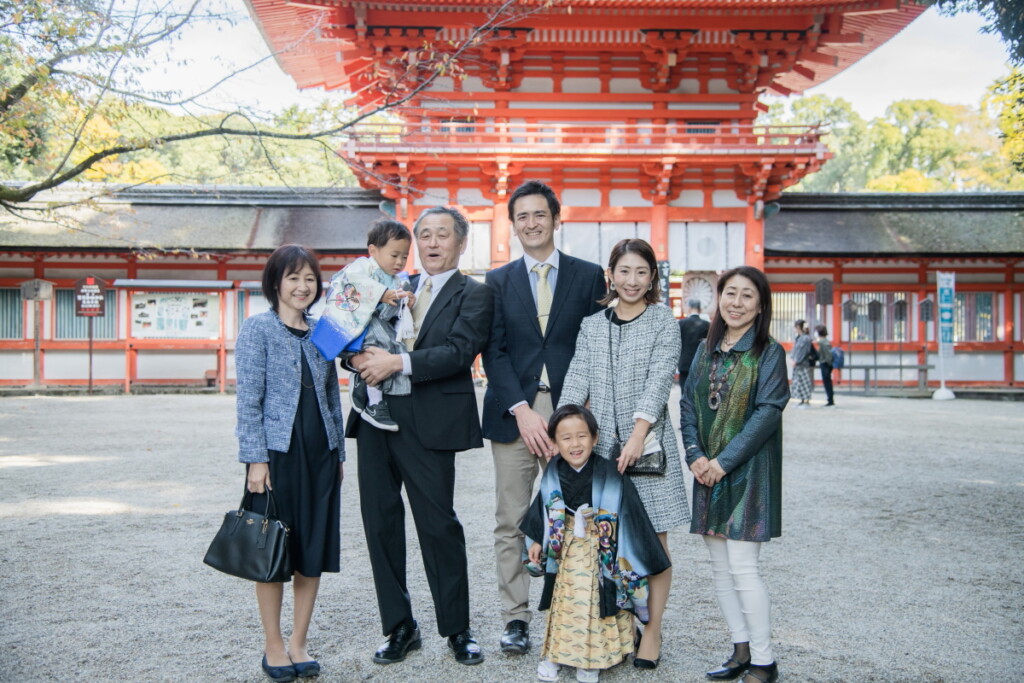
659,231
500,235
754,249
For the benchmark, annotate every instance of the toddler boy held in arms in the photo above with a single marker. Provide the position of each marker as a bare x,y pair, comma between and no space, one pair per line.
369,304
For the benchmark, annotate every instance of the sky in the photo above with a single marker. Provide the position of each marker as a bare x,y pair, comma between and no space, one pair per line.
936,57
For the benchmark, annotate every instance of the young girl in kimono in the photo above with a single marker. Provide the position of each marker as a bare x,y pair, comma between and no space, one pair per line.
588,533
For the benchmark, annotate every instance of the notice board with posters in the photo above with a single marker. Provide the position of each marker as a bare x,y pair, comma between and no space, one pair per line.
175,315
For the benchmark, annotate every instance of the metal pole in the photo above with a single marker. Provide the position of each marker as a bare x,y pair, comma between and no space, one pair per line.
874,345
90,355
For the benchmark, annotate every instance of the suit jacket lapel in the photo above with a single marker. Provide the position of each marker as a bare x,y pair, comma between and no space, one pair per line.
566,275
439,300
519,280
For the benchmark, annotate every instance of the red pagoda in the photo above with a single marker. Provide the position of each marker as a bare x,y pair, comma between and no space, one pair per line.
641,114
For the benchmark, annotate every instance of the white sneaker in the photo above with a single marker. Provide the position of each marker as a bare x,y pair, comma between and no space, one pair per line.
548,671
588,675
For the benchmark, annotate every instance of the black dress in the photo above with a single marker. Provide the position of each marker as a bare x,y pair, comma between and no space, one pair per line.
306,487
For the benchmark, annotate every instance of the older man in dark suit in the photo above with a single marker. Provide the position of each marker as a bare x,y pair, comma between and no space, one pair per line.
692,330
539,301
453,320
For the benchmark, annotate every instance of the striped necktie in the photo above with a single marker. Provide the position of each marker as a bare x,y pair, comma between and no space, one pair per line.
543,306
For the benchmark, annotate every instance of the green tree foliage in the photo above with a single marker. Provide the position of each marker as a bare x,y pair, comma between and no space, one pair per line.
917,146
1005,17
1005,102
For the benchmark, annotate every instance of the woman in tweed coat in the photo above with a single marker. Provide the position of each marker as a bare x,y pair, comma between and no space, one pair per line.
290,436
630,350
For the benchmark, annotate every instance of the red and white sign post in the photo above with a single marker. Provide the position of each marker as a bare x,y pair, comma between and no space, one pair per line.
90,302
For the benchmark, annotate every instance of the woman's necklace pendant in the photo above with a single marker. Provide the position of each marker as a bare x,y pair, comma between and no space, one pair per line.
714,401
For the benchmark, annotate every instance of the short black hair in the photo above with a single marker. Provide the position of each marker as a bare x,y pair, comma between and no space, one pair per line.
822,330
534,187
570,410
288,259
385,230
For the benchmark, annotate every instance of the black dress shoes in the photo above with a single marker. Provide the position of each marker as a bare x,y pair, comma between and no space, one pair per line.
729,670
765,673
467,650
516,638
401,642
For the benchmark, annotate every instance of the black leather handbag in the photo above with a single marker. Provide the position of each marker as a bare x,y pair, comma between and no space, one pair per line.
252,546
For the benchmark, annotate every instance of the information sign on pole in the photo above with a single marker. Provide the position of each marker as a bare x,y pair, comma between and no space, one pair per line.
89,303
89,296
946,282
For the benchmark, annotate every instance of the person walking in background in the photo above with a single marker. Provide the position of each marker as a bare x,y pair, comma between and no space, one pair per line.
624,364
731,418
825,360
290,437
590,536
692,331
803,364
438,418
539,302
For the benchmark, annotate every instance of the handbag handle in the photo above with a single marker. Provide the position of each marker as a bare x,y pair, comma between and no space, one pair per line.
270,509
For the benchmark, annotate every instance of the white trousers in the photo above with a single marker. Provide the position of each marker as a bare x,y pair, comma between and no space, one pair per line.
742,595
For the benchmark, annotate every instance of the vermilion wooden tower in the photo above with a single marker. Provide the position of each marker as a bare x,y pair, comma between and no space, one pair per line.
640,113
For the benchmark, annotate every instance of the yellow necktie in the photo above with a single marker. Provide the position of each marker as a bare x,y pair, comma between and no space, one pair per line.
543,306
419,310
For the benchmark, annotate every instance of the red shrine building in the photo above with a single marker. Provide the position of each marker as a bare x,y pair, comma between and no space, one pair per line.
641,114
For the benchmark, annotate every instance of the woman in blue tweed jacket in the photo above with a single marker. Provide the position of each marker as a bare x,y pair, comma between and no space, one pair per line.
290,436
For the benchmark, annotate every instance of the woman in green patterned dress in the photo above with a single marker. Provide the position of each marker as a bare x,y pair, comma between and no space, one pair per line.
731,411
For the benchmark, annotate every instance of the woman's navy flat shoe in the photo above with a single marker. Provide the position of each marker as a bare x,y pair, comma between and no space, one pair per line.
279,674
308,669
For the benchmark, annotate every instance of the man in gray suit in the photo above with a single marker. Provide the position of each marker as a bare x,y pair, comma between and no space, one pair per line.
692,329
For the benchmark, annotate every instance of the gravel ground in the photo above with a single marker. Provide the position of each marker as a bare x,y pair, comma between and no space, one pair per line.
901,559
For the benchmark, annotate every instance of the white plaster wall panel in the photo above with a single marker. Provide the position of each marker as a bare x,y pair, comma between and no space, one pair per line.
535,84
158,274
581,85
230,360
456,104
185,365
707,247
60,365
677,245
1018,367
995,276
580,197
726,199
879,278
16,365
471,196
689,198
611,232
793,277
515,248
474,84
443,84
736,244
631,197
433,196
687,86
969,367
627,86
122,322
107,274
255,274
18,273
1018,334
719,86
704,106
580,240
580,105
478,249
643,231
